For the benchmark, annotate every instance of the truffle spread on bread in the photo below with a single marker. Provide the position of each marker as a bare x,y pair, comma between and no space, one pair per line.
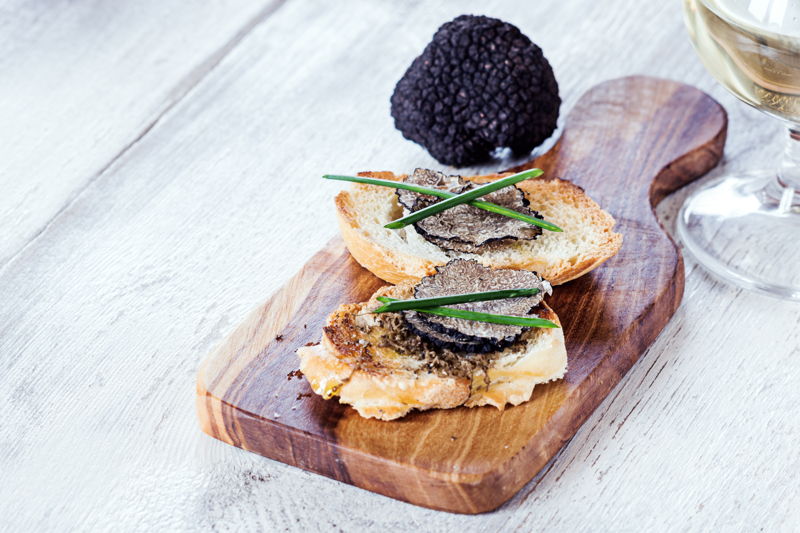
386,364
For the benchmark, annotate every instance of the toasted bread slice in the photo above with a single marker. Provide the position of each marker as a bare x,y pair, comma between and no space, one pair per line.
382,383
401,255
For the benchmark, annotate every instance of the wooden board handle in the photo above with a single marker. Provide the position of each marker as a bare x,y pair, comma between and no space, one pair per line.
625,131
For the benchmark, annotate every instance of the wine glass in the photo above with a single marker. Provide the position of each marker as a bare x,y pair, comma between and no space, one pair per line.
745,228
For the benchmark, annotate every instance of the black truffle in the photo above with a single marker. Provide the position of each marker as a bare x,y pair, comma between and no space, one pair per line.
467,275
480,84
465,228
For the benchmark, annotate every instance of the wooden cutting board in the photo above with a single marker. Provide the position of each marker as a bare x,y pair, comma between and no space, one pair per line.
628,142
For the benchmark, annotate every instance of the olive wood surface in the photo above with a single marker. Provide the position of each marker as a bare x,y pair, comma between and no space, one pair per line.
628,142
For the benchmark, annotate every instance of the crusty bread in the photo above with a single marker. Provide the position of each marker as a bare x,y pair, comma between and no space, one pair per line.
380,383
401,255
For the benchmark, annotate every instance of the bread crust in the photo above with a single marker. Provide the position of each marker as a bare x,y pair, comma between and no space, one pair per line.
391,387
396,266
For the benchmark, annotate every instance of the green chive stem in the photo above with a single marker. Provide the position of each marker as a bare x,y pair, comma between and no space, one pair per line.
482,317
463,198
420,303
480,204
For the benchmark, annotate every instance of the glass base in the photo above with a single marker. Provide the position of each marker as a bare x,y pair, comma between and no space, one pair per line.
745,229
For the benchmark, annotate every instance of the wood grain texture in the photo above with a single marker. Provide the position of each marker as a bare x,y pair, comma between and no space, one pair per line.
83,81
106,315
628,142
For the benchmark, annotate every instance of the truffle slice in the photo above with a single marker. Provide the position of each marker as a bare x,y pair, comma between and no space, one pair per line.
464,276
464,228
416,322
433,180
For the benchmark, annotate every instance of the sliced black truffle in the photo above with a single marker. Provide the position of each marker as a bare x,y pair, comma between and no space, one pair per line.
433,180
464,276
453,341
479,85
465,228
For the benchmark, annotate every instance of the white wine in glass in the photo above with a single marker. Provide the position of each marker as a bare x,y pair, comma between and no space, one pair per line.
746,228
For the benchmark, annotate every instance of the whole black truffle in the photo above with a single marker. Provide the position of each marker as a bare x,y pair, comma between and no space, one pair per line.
480,84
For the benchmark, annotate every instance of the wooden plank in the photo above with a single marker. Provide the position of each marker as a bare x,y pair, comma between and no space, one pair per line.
107,314
83,81
659,136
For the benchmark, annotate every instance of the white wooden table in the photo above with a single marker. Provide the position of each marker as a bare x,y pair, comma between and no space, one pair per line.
159,177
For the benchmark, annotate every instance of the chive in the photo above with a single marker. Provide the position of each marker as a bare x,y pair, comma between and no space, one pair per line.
391,183
482,317
399,305
463,198
480,204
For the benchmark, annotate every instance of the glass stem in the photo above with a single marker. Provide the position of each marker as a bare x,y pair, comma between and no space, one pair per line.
789,171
